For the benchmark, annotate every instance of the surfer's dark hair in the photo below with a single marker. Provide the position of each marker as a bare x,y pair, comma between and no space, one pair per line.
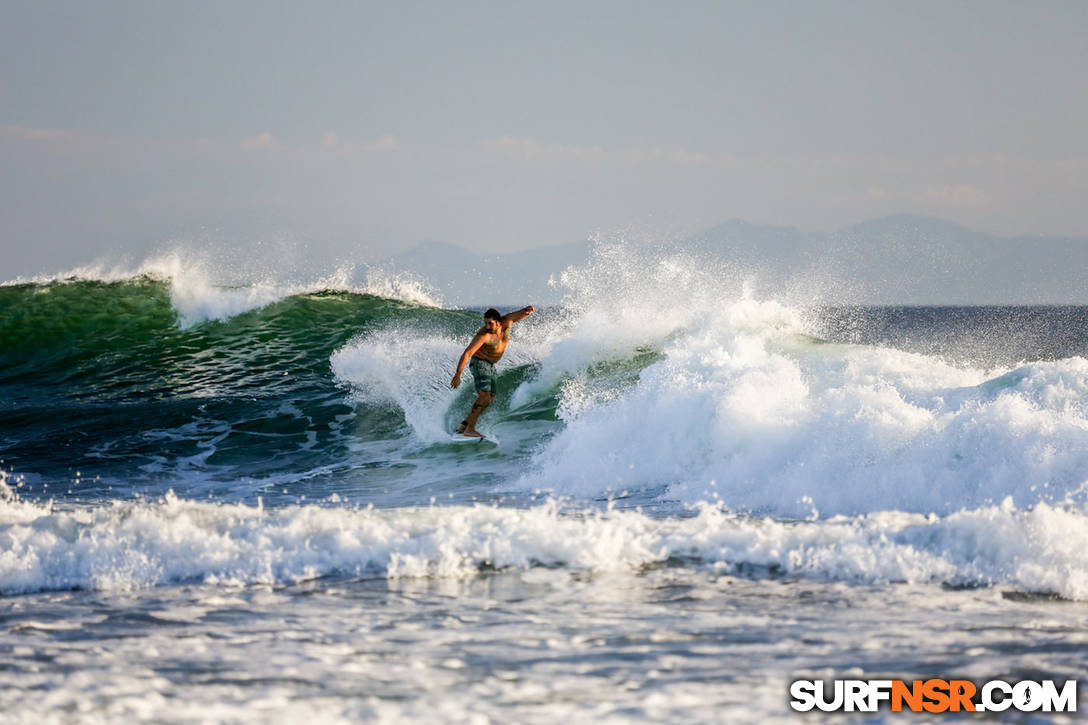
493,314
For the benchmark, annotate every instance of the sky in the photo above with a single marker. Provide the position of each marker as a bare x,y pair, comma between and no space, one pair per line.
353,130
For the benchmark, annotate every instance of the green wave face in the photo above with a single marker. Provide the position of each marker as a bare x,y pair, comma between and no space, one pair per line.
101,378
122,340
51,333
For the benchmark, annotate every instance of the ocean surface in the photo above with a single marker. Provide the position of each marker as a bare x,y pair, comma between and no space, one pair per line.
241,502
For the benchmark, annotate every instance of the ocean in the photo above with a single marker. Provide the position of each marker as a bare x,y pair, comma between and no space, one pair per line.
242,502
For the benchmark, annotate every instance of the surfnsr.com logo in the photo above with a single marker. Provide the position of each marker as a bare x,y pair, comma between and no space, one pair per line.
933,695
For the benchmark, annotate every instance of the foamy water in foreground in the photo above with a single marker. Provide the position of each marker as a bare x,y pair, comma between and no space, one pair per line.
133,547
537,645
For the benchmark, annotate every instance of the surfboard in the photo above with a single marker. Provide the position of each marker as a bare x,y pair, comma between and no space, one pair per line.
458,438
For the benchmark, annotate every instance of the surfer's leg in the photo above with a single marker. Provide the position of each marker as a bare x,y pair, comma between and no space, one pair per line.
483,375
483,399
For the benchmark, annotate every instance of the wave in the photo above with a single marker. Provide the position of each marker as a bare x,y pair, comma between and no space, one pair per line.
138,545
738,402
136,312
201,289
765,420
99,334
662,375
104,376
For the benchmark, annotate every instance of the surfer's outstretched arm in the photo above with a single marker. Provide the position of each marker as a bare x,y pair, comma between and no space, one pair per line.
473,346
516,315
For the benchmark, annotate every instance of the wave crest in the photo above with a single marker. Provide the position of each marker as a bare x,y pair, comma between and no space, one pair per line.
202,289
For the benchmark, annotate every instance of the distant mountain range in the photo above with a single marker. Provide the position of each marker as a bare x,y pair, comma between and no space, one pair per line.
894,260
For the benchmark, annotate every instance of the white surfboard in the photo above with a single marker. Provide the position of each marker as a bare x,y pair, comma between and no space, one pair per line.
458,438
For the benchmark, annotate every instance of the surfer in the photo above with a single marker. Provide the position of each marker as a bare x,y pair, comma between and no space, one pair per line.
481,355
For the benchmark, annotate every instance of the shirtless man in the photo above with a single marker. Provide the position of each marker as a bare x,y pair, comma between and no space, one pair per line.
483,352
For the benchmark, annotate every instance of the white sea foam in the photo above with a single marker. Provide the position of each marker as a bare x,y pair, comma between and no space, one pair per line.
626,299
403,286
744,408
133,546
404,367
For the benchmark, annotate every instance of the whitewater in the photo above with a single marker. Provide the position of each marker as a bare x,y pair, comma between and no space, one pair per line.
235,498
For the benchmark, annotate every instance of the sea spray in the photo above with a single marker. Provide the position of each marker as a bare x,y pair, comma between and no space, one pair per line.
406,369
744,407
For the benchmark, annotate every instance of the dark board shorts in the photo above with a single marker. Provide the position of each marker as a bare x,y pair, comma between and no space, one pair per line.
483,374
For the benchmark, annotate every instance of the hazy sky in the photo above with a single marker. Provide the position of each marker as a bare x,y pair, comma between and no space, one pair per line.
355,129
